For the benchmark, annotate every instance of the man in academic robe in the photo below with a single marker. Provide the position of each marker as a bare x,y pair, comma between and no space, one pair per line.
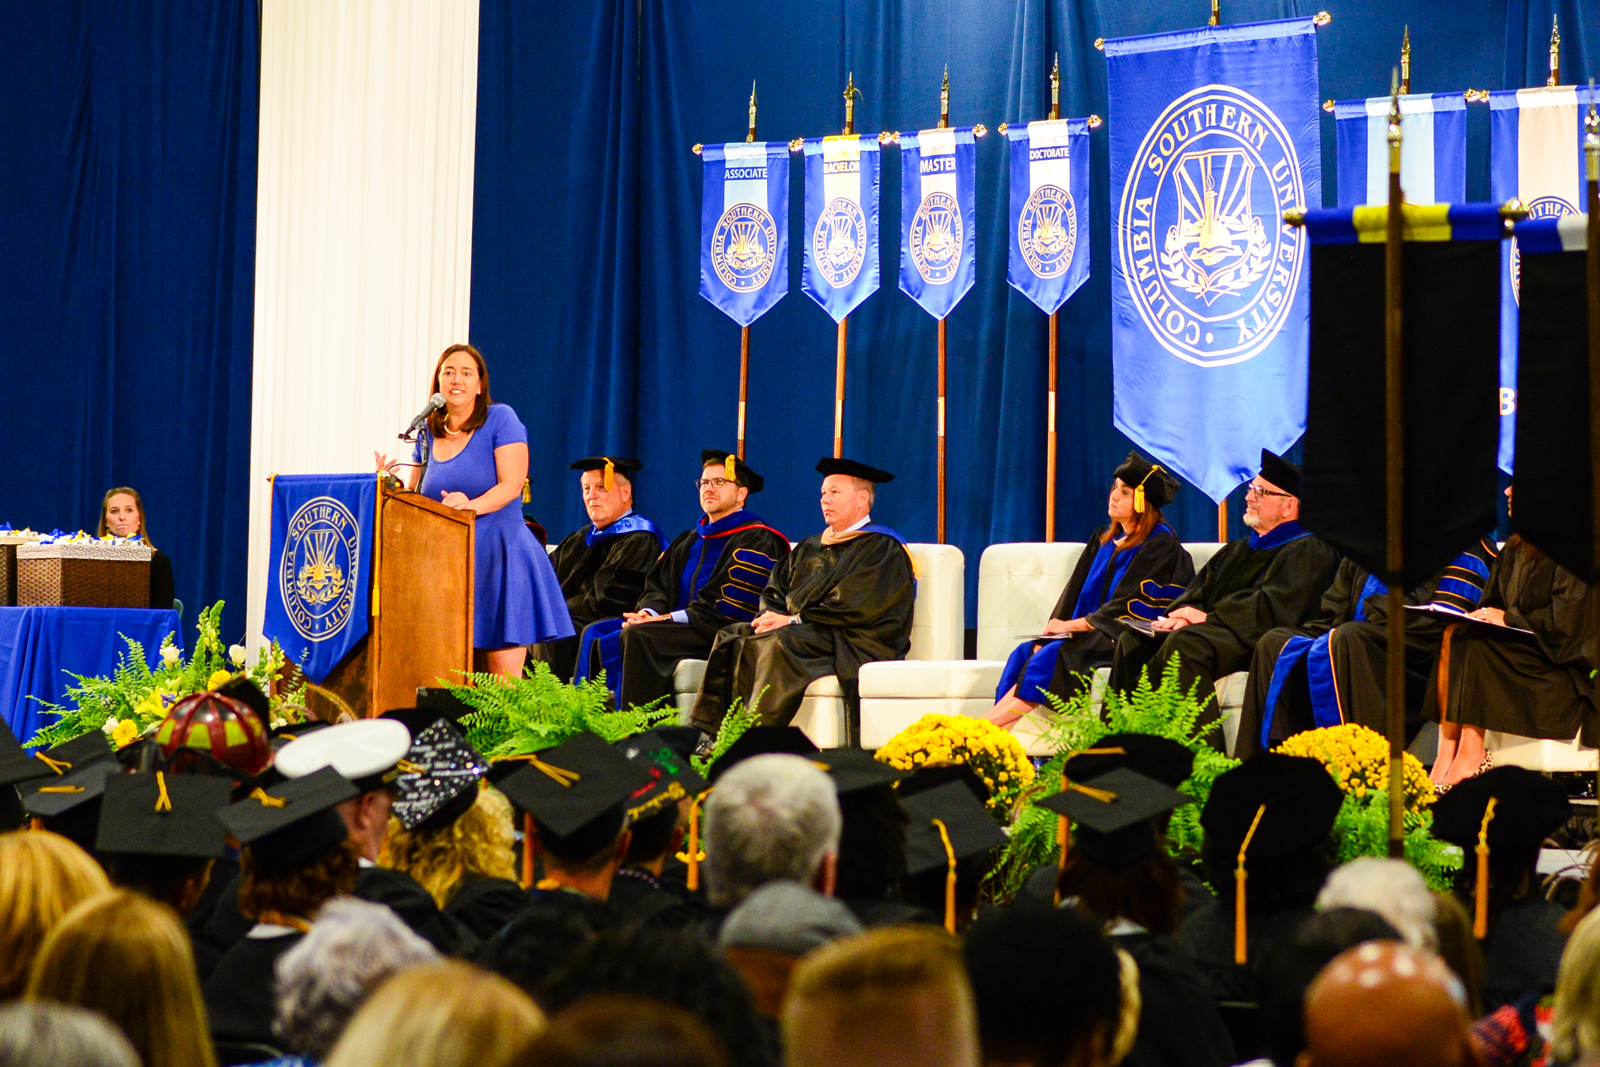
602,566
1332,670
1274,577
710,576
842,598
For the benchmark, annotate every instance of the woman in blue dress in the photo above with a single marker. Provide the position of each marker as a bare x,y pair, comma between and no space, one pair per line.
477,460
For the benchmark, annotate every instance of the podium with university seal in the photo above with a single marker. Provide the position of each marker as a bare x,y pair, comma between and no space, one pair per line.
370,593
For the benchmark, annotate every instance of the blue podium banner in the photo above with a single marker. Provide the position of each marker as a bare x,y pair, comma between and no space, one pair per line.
841,260
744,228
320,590
1433,149
938,239
1214,135
1049,210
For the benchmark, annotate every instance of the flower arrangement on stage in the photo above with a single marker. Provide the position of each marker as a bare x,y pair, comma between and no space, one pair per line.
137,696
941,740
516,716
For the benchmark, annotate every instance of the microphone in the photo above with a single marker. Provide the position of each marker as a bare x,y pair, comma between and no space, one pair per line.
435,402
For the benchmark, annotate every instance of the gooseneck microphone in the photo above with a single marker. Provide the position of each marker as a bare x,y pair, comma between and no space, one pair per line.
435,402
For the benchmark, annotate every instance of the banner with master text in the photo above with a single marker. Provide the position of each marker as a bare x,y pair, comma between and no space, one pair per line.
841,234
744,228
1214,134
937,234
1049,210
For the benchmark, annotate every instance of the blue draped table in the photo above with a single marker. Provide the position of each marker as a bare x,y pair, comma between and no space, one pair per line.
41,648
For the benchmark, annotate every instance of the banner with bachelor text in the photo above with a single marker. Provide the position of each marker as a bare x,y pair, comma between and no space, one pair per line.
1049,211
841,234
1433,149
937,234
1214,134
744,226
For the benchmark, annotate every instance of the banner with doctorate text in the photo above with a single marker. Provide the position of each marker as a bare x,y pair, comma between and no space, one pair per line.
1215,134
319,589
1535,155
1433,149
937,239
841,234
744,228
1049,215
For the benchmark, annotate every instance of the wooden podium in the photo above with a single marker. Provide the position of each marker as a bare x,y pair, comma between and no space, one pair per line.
420,627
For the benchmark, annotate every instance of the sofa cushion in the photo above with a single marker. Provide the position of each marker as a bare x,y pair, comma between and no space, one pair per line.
918,679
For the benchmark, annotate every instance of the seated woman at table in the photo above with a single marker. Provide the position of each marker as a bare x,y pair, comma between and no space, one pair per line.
1132,567
122,515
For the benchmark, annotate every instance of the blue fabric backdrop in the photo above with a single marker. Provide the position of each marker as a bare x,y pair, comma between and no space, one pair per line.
127,253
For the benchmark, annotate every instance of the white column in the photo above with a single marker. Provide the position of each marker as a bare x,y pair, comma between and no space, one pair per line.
363,232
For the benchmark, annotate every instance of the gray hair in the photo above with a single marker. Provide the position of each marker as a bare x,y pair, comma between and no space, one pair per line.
1390,888
353,946
771,817
41,1033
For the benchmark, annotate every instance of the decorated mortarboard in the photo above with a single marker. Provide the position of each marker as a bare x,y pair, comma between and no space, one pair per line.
1155,757
835,465
733,468
292,823
853,770
164,814
1116,814
367,752
290,732
671,776
608,466
250,695
571,785
762,741
70,792
1152,485
945,825
1280,472
925,778
439,779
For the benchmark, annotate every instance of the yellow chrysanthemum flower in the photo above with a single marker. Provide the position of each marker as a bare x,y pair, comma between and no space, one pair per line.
124,733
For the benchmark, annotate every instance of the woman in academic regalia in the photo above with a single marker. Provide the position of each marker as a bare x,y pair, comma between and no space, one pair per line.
1527,673
122,515
1132,567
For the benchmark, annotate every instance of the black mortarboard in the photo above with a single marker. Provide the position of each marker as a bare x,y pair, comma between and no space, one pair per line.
293,731
740,472
1116,814
70,792
444,699
1154,757
61,759
1301,800
250,695
573,784
446,785
971,828
292,824
760,741
1150,482
1528,808
671,776
831,465
415,719
853,769
164,815
1280,472
925,778
622,465
16,763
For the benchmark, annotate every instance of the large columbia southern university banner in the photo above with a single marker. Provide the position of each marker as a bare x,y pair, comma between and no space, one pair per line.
937,238
319,592
744,228
1049,210
841,235
1433,149
1214,134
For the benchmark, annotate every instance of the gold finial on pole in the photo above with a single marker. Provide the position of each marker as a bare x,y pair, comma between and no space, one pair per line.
851,95
1555,51
750,135
944,100
1405,63
1216,14
1394,122
1055,88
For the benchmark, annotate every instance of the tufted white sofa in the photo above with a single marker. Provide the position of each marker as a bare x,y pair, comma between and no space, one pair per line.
937,625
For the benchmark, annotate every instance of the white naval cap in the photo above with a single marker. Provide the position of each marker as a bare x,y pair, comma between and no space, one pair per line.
367,752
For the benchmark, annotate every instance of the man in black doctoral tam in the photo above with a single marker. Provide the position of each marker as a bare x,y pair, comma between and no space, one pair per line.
1274,577
842,598
711,575
601,566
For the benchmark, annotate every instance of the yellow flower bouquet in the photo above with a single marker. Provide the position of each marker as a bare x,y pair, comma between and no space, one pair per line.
993,754
1358,758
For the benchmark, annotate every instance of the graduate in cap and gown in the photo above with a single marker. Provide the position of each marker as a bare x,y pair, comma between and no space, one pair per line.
68,800
872,838
22,774
1274,577
842,598
1132,567
950,844
602,567
709,576
657,815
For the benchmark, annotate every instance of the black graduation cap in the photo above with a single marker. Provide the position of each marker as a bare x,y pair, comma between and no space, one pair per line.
1116,814
445,786
17,766
1528,808
294,731
573,784
971,828
250,695
853,769
739,472
623,465
70,792
831,465
1150,482
925,778
1301,801
164,815
443,699
760,741
293,823
1155,757
671,776
1280,472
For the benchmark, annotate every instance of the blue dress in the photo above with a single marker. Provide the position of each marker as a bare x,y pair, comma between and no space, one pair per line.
516,598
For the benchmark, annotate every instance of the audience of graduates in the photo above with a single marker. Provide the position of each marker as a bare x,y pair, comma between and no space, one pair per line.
42,877
45,1034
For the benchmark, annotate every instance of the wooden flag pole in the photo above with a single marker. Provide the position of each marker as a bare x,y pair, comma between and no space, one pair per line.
1394,534
944,124
1591,156
850,95
744,331
1050,413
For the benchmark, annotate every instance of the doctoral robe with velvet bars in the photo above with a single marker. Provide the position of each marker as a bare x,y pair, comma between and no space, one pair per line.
602,575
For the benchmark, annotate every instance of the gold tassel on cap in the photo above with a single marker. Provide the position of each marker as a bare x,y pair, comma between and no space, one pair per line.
1063,827
729,471
1480,893
949,878
693,855
60,766
1241,938
527,850
163,802
1138,490
527,490
609,480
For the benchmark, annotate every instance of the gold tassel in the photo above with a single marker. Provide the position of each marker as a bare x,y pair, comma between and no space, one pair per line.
609,480
60,766
692,855
1480,893
527,490
949,878
1138,490
729,471
1063,839
163,802
1241,936
267,799
527,850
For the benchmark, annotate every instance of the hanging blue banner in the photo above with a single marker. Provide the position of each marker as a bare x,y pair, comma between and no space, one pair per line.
1049,215
319,591
937,242
841,263
1433,149
1214,135
1535,155
744,228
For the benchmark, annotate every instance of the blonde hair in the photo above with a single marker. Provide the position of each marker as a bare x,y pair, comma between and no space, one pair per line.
42,877
129,958
1575,1019
445,1014
477,845
105,504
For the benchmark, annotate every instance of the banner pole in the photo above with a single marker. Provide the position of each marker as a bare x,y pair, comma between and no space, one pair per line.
1405,63
1591,156
944,124
1555,51
1394,547
850,94
744,331
1050,413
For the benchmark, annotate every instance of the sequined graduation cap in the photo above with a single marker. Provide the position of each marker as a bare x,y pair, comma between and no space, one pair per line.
609,466
164,814
733,468
439,775
293,823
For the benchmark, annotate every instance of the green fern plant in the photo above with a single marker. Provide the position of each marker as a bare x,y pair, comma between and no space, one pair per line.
1362,829
737,720
516,716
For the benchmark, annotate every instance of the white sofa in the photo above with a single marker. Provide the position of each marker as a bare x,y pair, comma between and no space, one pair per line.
937,626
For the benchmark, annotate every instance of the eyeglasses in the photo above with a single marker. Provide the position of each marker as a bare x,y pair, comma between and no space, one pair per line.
1257,491
713,483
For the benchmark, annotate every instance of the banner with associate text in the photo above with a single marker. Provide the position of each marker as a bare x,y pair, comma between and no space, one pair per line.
744,228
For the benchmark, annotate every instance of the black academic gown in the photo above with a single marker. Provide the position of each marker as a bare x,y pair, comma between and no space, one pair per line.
1244,591
485,905
1178,1021
239,995
638,898
1534,685
599,581
1522,954
854,599
651,651
416,907
1207,938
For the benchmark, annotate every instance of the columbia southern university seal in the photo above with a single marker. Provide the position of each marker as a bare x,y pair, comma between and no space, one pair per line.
936,238
1211,266
317,573
839,242
742,247
1047,230
1543,207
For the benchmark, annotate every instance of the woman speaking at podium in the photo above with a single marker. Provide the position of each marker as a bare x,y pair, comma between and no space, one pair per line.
477,460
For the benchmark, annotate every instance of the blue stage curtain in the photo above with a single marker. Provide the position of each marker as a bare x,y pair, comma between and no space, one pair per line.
128,133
